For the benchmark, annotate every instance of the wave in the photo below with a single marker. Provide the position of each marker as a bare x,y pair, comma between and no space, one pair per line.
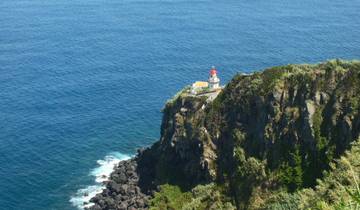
101,173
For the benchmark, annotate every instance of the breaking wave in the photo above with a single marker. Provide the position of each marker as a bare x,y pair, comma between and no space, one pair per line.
101,173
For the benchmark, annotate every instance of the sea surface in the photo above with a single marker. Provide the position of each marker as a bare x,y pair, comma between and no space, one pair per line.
82,82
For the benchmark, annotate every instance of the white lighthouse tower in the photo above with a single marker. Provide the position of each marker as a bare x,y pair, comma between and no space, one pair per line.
214,81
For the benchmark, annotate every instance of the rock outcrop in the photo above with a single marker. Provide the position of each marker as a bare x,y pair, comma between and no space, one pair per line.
122,190
286,122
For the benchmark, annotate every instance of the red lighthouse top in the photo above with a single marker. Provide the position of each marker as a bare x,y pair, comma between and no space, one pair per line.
213,71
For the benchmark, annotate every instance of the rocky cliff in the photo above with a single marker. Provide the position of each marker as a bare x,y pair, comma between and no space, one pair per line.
274,131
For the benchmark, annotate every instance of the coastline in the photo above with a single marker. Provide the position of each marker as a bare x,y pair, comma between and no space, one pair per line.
122,190
101,173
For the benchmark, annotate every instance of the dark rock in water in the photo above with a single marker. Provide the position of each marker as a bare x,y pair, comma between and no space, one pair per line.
96,198
95,207
86,194
140,203
131,191
124,198
123,191
114,187
122,206
141,150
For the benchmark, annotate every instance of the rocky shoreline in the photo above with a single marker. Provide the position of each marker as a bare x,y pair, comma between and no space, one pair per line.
122,191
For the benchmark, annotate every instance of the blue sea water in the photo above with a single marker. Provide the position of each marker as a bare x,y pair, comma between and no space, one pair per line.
82,82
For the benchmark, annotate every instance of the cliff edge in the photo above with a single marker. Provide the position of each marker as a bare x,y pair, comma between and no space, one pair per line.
265,138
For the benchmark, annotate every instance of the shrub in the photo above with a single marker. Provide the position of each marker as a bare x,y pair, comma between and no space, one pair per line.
169,197
202,197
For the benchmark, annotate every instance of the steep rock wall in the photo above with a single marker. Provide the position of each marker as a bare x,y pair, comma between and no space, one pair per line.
272,129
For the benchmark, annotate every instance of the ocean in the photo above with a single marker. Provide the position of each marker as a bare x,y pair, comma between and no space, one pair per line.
83,82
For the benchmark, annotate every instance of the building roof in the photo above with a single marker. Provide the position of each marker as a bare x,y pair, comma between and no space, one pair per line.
200,84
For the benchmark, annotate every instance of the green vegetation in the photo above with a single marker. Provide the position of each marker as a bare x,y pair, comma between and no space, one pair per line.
338,190
272,78
292,175
203,197
249,173
277,139
183,92
169,197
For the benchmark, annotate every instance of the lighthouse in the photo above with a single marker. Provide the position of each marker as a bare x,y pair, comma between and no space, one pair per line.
214,81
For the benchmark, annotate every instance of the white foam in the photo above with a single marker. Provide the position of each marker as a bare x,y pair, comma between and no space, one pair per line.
101,173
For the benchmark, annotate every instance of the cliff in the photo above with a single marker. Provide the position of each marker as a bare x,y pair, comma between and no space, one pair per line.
266,135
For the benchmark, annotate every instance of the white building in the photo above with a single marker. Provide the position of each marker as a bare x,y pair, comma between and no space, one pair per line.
212,85
214,81
198,86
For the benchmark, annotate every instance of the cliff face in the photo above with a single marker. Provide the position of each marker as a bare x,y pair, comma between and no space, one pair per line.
294,120
270,131
185,153
313,109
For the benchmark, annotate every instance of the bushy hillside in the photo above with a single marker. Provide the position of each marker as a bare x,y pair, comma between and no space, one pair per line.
273,131
338,189
264,143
